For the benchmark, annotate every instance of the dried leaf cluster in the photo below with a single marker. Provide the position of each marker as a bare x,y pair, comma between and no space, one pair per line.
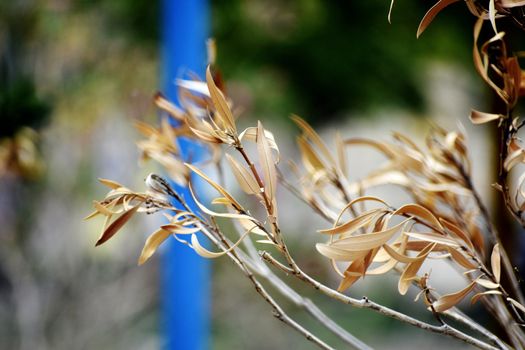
446,220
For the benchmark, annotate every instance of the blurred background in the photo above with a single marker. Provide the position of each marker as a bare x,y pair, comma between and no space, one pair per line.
74,75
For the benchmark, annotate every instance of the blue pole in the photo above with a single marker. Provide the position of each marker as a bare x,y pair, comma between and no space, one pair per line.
185,299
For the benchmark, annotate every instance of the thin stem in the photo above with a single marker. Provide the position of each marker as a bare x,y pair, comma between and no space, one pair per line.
278,312
367,303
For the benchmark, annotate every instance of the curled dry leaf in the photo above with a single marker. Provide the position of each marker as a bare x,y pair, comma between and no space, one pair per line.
411,269
199,249
431,14
367,241
450,300
354,224
477,296
152,243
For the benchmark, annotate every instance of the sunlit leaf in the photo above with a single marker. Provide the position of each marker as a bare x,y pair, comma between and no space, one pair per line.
110,183
220,102
495,263
152,243
353,224
368,240
244,177
486,283
267,163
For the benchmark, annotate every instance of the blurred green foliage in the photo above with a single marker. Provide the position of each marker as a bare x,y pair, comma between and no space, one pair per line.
334,56
19,103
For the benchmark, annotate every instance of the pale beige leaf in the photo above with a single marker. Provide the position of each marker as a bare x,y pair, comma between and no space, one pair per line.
514,158
199,249
92,215
215,185
433,238
244,177
116,225
412,268
152,243
354,224
221,201
512,3
450,300
267,163
456,231
169,107
213,213
461,259
429,16
110,183
477,117
339,254
420,212
517,304
220,103
486,283
380,146
310,133
399,256
495,263
103,209
251,135
492,15
252,226
311,161
367,241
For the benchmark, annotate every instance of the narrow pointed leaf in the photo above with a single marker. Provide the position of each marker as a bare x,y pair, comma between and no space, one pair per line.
412,268
116,225
266,162
367,241
431,14
244,177
450,300
152,243
495,262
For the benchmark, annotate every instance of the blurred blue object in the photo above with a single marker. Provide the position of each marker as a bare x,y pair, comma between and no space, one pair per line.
185,276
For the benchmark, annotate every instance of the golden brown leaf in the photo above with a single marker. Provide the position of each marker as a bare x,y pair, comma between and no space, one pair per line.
429,16
450,300
411,269
116,225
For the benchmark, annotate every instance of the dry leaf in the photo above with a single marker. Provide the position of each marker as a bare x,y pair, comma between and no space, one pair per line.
412,268
244,177
429,16
267,163
116,225
450,300
152,243
495,263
